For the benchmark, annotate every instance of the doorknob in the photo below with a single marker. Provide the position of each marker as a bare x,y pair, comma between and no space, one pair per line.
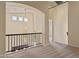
67,33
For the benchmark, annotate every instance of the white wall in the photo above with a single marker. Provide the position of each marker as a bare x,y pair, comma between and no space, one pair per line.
73,24
2,29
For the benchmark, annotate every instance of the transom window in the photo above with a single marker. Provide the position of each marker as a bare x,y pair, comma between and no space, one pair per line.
19,18
25,19
14,18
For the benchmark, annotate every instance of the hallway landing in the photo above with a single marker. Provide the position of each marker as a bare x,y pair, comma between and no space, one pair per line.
55,51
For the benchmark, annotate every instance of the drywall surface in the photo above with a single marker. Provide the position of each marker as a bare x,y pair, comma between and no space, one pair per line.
73,34
2,29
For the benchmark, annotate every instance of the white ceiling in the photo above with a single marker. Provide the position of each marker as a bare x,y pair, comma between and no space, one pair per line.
47,3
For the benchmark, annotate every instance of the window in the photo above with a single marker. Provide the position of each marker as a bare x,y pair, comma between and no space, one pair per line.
25,19
14,18
20,18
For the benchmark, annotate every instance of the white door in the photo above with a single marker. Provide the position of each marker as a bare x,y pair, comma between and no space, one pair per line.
61,24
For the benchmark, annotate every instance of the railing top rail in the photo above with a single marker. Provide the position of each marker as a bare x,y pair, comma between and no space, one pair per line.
23,34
